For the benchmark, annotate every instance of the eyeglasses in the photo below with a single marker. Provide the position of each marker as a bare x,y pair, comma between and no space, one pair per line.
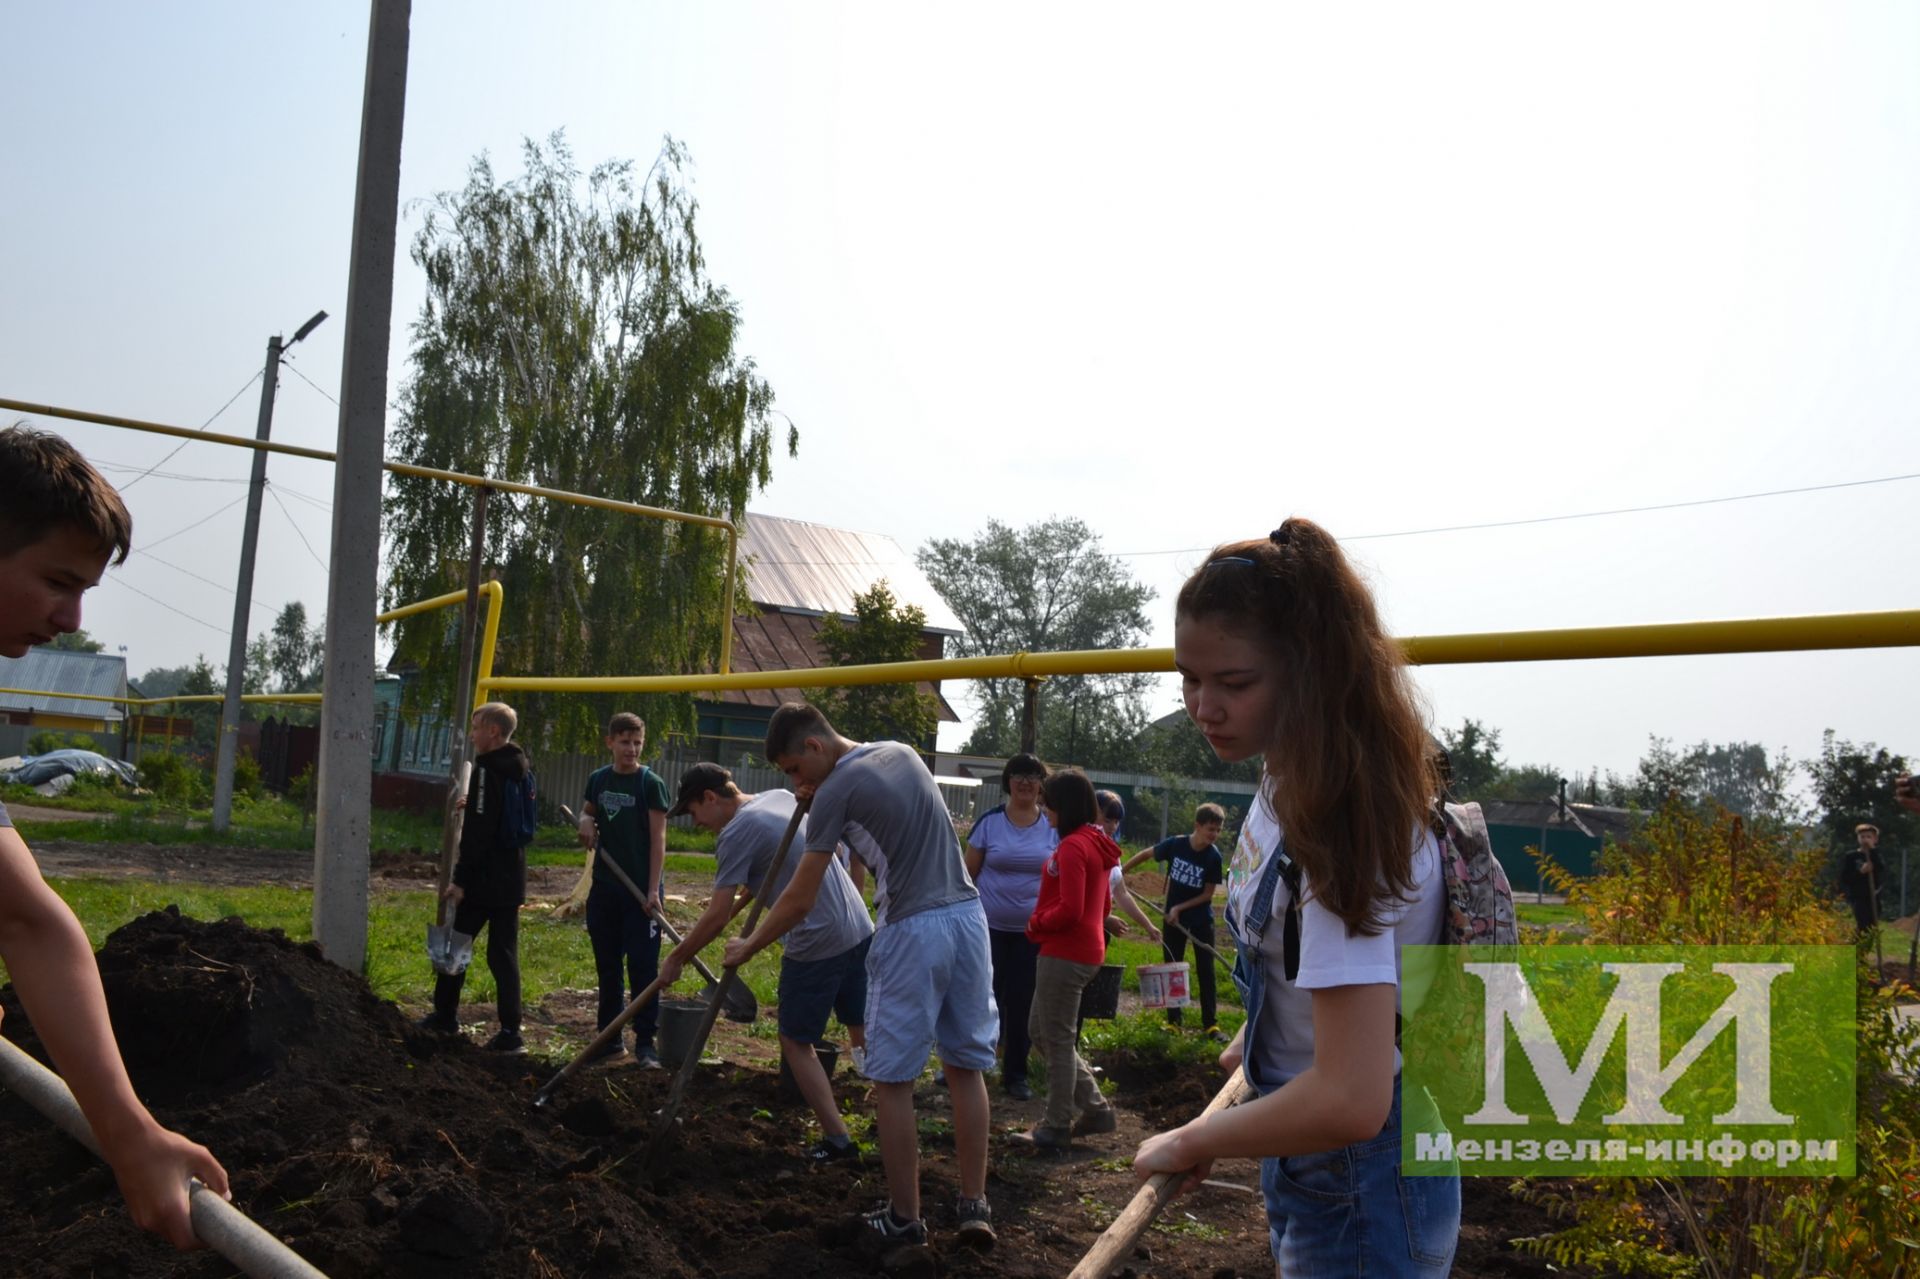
1027,780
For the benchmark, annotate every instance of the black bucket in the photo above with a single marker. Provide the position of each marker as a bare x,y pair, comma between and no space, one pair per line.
679,1025
829,1055
1100,998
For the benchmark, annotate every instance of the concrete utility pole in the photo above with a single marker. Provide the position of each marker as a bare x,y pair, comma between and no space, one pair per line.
229,747
343,818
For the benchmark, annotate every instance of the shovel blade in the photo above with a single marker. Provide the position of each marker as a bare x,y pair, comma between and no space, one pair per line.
740,1005
449,952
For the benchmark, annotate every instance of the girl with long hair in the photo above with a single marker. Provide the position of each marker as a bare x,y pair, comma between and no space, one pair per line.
1282,655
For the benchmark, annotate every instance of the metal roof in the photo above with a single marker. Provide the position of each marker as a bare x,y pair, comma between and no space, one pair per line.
59,671
789,642
812,568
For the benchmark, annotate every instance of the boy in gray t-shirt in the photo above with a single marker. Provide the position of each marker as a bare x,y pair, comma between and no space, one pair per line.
823,966
929,978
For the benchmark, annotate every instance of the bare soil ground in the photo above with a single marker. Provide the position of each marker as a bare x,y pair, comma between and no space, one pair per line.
374,1149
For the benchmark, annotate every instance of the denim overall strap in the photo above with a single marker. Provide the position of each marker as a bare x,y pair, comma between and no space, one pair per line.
1249,971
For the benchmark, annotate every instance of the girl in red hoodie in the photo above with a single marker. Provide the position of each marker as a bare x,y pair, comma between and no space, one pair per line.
1069,925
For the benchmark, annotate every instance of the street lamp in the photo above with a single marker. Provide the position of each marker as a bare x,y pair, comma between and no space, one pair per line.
243,592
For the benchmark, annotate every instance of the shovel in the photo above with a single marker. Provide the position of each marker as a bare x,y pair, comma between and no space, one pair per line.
730,977
448,951
741,1005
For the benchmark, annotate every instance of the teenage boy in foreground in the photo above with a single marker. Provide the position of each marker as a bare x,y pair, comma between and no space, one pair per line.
59,525
823,961
490,879
1193,872
929,979
625,813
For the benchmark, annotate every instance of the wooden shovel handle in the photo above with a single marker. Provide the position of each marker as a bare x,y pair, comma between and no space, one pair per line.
1118,1239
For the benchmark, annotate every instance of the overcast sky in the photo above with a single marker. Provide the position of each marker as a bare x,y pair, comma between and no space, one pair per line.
1178,271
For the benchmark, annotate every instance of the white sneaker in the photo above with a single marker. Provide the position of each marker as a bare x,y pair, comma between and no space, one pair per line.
858,1056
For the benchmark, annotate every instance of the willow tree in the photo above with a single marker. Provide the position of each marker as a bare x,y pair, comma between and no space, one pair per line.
571,338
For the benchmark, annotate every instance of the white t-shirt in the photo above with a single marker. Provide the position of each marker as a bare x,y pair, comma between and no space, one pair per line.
1283,1039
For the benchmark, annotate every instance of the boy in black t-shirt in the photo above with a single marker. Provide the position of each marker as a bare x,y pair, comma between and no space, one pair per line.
625,813
1193,872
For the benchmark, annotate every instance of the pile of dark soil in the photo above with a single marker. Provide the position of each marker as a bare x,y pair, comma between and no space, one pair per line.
375,1149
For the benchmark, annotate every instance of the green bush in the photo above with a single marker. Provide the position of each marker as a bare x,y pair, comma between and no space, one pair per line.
46,741
1697,879
174,779
246,776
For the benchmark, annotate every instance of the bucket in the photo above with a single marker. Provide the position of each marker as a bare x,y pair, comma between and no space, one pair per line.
1100,998
1163,985
679,1024
829,1055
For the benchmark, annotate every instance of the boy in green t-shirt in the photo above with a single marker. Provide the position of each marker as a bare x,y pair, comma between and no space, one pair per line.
625,814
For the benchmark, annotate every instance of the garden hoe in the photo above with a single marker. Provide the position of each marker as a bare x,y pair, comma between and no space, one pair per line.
728,977
448,951
741,1005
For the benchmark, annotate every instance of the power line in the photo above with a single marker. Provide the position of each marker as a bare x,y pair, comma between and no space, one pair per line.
196,524
183,443
1634,510
309,381
199,621
169,475
197,577
296,528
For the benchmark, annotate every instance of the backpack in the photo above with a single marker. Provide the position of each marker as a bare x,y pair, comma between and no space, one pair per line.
1479,906
519,817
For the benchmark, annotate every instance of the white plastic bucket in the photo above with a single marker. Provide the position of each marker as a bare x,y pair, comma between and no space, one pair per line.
1163,985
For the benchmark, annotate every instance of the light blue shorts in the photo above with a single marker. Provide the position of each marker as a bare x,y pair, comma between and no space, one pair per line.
930,985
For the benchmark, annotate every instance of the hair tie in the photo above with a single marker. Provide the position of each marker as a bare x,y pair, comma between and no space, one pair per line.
1279,536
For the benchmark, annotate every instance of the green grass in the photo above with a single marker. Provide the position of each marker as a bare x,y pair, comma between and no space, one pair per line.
553,955
1546,916
272,823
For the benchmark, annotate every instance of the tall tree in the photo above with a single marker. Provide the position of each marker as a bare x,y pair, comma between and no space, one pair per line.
1473,753
295,649
76,642
881,631
1738,776
1853,783
1047,587
572,338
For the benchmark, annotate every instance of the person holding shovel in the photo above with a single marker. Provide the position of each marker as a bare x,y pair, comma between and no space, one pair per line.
625,816
490,879
1862,871
1194,871
1282,656
823,963
929,977
60,524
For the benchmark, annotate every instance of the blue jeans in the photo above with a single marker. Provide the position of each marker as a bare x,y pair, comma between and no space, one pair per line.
1350,1211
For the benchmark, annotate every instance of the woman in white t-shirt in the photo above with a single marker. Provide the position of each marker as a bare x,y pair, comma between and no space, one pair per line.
1282,655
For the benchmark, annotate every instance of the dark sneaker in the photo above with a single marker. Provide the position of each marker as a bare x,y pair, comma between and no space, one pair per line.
646,1058
1218,1036
829,1151
438,1024
1017,1089
1041,1137
1095,1122
976,1224
878,1232
507,1042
